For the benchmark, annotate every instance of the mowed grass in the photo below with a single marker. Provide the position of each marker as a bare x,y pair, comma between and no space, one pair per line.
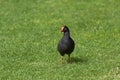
29,34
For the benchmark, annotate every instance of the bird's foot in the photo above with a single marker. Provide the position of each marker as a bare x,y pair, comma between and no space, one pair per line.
68,61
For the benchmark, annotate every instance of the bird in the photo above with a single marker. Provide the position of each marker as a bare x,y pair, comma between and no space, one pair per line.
66,45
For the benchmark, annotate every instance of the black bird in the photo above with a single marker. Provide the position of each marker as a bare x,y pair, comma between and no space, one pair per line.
66,44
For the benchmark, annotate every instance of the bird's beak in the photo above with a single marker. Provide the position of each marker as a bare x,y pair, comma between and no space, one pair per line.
62,29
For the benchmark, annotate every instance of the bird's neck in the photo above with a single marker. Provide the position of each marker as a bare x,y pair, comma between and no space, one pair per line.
67,34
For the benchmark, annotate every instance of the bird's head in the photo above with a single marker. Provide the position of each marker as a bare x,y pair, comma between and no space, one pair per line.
64,29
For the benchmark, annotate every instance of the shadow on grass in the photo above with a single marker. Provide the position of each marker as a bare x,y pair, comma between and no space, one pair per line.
79,60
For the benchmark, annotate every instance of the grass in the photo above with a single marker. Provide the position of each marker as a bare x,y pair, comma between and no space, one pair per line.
29,33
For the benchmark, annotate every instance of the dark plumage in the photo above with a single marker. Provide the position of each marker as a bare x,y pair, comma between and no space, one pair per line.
66,44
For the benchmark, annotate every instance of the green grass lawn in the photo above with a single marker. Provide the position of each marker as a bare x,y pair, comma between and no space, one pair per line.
30,31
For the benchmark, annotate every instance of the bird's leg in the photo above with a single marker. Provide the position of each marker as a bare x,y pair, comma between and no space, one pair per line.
68,58
61,59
